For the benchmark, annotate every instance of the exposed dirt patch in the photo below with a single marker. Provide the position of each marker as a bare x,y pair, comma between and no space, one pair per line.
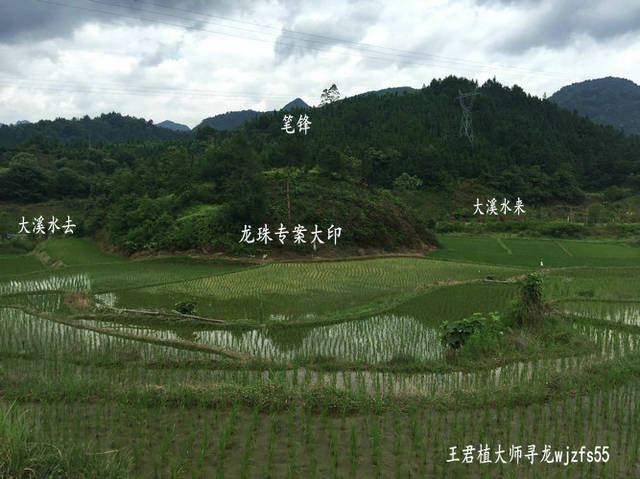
77,301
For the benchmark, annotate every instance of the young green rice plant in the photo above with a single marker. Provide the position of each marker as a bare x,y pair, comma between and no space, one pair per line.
164,446
274,426
375,434
333,451
292,445
249,440
353,449
225,439
313,456
398,442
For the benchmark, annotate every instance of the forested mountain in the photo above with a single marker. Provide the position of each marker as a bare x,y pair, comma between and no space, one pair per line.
230,120
393,90
523,145
235,119
608,101
349,168
171,125
110,127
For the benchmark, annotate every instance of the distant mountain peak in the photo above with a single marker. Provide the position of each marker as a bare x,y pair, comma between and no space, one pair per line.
235,119
297,103
171,125
229,120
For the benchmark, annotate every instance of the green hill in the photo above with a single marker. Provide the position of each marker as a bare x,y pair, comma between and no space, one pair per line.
109,127
608,101
382,167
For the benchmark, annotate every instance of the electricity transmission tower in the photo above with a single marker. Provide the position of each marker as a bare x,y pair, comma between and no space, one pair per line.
466,103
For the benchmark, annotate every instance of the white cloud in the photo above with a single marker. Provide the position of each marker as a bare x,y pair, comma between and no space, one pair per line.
247,60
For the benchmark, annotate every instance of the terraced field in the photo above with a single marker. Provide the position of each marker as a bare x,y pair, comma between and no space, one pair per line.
318,369
300,289
554,253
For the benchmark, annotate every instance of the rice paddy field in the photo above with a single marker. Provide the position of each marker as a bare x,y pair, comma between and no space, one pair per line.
316,369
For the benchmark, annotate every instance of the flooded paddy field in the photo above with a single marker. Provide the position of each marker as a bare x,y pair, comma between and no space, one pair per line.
317,369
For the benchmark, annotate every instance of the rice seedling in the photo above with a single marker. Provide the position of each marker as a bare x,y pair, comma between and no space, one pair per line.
373,396
529,251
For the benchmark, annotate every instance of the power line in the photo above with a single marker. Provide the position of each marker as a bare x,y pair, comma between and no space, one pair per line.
74,86
296,34
386,57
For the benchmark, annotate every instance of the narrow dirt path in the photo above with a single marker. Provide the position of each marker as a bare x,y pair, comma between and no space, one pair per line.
176,343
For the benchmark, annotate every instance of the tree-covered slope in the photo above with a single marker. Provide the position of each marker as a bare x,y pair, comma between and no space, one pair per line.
110,127
172,125
230,120
349,170
520,140
608,101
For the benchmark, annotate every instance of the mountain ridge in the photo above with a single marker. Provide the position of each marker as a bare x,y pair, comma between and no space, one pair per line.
172,125
610,101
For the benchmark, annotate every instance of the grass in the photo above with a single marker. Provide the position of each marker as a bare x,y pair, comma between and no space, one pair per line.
22,454
14,265
77,251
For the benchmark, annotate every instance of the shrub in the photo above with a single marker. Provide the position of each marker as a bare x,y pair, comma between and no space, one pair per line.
456,333
16,246
596,213
184,307
530,307
562,229
407,182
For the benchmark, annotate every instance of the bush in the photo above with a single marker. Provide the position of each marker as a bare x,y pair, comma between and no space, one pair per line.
407,182
184,307
456,334
530,308
562,229
596,213
16,246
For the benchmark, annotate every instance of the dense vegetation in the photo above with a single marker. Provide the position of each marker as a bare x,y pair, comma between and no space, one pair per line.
608,101
364,166
108,127
230,120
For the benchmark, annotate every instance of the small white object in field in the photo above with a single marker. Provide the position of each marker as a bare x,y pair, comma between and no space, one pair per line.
541,263
264,256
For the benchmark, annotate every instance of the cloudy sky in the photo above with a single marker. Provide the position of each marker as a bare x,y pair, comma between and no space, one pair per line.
185,60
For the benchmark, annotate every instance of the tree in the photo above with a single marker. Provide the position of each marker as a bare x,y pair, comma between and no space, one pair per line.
330,161
206,133
595,213
329,95
407,182
24,180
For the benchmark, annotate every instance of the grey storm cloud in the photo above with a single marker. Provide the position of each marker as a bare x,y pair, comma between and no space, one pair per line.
341,28
556,24
33,20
